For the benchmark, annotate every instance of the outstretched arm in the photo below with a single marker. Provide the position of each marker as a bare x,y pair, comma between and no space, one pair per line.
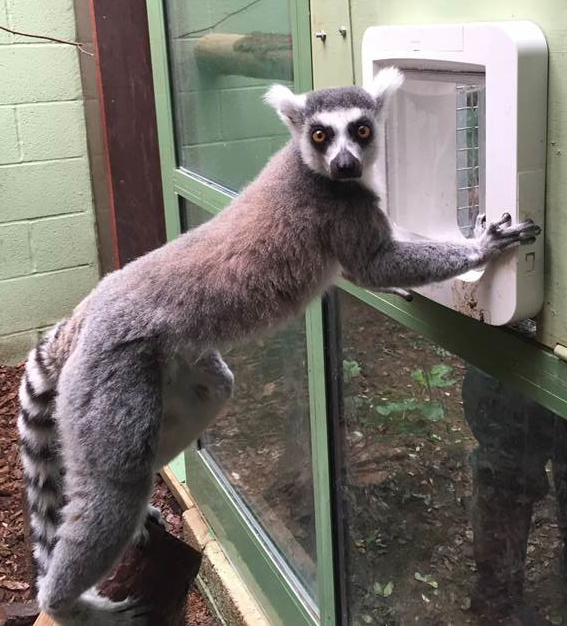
413,263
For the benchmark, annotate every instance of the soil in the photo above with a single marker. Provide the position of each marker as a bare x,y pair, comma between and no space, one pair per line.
15,566
408,504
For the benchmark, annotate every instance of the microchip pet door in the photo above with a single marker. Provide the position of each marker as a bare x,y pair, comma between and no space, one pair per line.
466,135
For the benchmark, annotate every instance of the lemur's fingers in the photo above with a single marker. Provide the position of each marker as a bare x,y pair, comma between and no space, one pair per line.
497,228
506,217
521,233
480,225
133,611
503,237
403,293
141,538
397,291
154,515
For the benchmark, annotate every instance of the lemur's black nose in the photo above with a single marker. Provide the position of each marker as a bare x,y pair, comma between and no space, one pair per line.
346,165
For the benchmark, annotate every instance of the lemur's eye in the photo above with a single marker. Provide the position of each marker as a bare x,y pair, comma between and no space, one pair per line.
363,131
318,136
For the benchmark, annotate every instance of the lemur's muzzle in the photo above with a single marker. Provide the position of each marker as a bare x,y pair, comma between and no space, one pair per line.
346,165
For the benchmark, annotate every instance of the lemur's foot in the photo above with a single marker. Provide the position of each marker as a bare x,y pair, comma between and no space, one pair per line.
398,291
142,536
92,609
155,515
501,235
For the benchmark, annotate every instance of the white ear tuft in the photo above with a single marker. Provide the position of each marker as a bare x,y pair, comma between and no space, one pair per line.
385,85
287,105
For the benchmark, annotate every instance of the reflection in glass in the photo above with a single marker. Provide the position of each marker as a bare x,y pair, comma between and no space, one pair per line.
454,489
223,54
262,442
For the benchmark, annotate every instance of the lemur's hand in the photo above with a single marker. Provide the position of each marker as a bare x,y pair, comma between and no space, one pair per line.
501,236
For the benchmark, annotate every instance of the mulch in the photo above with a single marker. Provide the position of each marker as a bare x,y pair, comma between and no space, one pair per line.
15,567
16,571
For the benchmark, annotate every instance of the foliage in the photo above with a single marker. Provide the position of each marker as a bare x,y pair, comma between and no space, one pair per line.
408,413
435,377
351,369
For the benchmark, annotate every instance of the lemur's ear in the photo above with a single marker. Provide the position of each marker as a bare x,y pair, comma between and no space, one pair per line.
287,105
384,86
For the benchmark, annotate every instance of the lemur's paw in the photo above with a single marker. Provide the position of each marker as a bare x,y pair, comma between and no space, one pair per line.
501,236
131,612
479,225
142,536
397,291
154,514
92,609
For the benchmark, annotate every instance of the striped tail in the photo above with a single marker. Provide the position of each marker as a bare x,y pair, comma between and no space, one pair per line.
39,448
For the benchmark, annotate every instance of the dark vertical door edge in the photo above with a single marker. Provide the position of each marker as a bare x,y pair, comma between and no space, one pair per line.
124,76
335,428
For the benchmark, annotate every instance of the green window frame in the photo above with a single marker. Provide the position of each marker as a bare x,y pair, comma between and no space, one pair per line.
277,589
516,360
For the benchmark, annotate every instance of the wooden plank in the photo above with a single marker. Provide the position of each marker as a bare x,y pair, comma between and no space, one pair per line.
44,620
178,490
159,573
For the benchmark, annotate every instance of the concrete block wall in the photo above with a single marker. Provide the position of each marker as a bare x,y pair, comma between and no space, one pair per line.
224,131
48,253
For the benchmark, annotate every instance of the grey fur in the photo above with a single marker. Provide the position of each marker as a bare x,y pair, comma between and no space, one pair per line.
155,326
338,98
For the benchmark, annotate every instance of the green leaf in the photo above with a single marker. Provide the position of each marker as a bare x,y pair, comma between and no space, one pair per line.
351,369
433,411
426,579
388,589
437,376
418,376
408,404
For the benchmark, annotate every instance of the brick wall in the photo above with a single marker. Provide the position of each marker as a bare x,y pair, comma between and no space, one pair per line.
225,132
48,256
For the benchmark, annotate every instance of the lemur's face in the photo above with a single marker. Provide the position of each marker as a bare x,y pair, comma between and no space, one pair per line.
336,129
340,143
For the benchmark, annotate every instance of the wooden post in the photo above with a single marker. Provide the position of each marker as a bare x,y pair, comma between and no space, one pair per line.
159,574
124,76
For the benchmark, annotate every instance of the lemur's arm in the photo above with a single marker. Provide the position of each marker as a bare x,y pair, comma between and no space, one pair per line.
413,263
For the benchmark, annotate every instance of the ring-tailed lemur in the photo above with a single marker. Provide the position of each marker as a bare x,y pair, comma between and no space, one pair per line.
134,375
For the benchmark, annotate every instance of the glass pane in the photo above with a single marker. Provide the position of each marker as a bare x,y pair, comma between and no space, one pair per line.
223,55
262,442
445,468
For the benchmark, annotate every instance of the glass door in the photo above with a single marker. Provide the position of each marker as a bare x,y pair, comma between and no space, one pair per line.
252,471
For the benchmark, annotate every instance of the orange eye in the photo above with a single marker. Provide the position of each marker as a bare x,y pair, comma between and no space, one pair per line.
318,136
364,131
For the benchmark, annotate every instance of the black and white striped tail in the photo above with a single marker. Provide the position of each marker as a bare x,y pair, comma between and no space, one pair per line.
39,449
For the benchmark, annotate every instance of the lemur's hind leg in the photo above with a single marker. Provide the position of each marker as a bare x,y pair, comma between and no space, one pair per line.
108,412
195,390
